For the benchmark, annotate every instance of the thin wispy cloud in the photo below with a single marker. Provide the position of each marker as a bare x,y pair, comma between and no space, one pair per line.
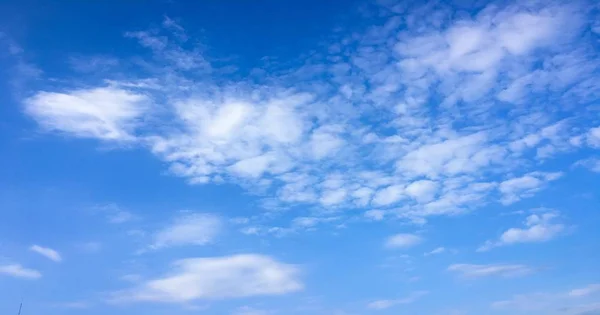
46,252
18,271
501,270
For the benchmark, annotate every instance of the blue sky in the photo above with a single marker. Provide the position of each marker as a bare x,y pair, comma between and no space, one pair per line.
300,157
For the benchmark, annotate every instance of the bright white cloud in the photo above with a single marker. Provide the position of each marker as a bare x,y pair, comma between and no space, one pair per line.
539,227
189,229
385,304
479,271
18,271
46,252
388,195
106,113
217,278
403,241
517,188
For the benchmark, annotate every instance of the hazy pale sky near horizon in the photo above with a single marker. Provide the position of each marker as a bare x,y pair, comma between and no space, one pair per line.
300,157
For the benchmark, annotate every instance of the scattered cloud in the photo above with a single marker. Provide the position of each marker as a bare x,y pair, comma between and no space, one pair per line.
216,278
189,229
578,301
46,252
106,113
385,304
437,89
593,164
436,251
403,241
517,188
114,213
479,271
18,271
585,291
538,227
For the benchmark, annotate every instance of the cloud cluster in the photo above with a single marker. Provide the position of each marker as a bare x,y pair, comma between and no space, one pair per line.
420,116
538,227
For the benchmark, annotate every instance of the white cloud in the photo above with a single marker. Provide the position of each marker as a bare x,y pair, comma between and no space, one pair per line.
333,197
422,190
18,271
376,215
585,291
217,278
478,271
539,227
593,137
436,251
403,241
385,304
517,188
46,252
105,113
579,301
389,195
189,229
114,213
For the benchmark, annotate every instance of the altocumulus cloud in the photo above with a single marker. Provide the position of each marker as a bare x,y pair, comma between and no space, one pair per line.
440,88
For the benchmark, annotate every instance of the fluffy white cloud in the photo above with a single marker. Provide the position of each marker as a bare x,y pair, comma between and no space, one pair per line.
46,252
478,271
18,271
107,113
403,241
189,229
539,227
389,195
517,188
217,278
385,304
